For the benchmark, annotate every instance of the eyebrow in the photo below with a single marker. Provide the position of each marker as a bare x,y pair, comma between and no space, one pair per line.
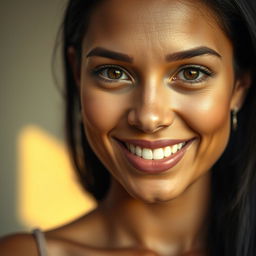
102,52
198,51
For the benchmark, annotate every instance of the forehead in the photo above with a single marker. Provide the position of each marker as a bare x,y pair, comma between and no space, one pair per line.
156,24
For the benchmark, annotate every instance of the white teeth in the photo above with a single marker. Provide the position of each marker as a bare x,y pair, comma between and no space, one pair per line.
158,153
138,151
132,148
180,146
167,151
147,153
174,148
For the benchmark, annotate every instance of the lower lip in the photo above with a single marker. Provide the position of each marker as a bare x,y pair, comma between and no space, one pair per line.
155,166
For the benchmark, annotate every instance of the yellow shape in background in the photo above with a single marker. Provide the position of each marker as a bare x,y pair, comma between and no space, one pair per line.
49,194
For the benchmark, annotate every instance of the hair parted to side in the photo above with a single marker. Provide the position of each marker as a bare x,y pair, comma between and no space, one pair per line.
92,174
232,230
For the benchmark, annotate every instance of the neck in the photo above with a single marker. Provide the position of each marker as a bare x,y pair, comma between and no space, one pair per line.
169,228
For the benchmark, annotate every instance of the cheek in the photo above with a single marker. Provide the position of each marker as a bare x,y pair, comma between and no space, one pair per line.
211,122
208,112
208,115
101,110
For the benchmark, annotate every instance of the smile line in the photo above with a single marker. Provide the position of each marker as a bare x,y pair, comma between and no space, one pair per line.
154,166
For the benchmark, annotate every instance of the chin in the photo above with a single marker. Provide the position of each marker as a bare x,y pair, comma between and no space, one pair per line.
156,199
156,196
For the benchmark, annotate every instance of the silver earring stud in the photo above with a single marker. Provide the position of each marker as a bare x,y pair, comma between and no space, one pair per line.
234,119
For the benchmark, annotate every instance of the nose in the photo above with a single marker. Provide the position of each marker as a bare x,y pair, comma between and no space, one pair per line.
151,110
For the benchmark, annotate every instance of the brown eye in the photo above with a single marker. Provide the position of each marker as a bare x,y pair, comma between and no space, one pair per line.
114,73
191,74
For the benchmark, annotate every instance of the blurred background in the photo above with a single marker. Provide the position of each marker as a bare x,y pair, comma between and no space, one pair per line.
38,187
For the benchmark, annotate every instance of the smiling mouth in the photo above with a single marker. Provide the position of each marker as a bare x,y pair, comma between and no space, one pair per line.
154,154
154,157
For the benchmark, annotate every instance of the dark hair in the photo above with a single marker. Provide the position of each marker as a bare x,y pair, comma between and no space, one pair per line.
233,214
92,174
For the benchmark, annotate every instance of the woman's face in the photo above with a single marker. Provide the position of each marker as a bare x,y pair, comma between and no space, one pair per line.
157,87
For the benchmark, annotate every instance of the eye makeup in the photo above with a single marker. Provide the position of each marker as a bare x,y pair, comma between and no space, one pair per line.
190,75
111,74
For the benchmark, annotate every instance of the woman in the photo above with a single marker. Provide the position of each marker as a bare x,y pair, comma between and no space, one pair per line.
160,123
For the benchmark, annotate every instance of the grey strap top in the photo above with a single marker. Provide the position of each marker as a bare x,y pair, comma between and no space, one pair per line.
40,241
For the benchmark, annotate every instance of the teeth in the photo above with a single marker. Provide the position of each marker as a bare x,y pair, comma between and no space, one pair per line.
138,151
132,148
147,153
156,154
174,148
167,151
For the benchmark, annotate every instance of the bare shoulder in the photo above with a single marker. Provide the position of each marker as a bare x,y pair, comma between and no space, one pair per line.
86,230
89,230
18,244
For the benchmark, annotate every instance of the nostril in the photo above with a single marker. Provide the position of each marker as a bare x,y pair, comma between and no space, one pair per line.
132,117
149,119
154,129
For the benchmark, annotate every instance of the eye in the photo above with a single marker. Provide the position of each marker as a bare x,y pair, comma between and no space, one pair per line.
192,74
112,73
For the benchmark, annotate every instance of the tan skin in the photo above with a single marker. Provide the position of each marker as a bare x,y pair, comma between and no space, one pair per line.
162,214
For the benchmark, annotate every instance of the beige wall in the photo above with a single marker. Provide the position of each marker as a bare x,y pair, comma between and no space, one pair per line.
28,95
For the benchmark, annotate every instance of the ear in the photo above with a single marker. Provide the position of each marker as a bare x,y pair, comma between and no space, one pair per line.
75,65
242,84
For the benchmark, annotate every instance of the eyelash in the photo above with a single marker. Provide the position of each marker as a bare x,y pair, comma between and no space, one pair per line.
99,70
204,71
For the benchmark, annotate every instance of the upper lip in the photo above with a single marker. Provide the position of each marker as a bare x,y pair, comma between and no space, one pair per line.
152,144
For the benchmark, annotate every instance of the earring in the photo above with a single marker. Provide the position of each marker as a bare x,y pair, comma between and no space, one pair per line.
234,118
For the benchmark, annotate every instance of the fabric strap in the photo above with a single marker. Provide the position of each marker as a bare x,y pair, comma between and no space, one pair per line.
40,241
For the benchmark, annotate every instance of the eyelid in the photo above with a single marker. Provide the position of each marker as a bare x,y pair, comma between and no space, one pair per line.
196,66
208,72
100,68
